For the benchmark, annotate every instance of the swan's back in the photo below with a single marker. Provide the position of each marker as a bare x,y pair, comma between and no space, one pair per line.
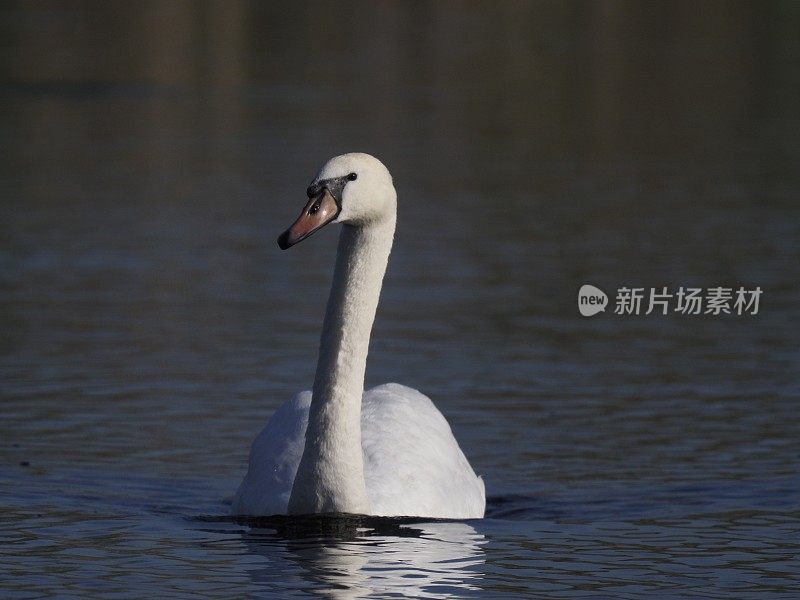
413,465
274,456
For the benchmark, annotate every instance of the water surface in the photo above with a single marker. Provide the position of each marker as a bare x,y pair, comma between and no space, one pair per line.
150,326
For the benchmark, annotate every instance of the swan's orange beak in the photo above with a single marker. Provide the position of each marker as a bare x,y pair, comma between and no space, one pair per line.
320,210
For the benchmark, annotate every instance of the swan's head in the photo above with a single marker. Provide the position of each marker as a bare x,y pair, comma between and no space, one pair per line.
351,188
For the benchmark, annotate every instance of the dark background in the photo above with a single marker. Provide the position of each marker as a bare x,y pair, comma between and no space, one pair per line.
153,151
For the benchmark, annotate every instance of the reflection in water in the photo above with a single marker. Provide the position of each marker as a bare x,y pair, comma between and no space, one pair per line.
354,558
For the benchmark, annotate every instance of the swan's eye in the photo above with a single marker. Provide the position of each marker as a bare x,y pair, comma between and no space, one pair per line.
352,176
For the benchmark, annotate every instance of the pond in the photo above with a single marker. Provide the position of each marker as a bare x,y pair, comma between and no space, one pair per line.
152,154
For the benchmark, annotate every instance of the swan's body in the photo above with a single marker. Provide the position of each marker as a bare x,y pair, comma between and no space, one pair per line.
412,464
385,452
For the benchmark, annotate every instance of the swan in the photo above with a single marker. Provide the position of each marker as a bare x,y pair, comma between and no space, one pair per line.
338,449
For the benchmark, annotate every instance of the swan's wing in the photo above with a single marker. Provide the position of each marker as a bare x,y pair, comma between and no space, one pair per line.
413,464
274,456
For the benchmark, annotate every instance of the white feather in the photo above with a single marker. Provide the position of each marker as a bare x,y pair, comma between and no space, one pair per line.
413,465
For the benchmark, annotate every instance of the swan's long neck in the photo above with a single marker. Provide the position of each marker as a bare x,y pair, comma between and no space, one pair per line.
330,477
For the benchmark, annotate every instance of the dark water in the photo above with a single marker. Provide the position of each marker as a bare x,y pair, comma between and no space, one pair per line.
152,152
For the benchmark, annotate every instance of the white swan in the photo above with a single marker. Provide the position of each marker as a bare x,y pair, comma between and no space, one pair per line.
387,451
